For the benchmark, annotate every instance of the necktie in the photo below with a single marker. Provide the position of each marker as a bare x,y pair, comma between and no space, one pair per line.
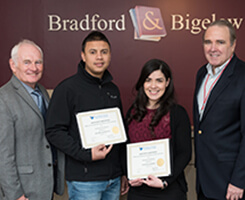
40,102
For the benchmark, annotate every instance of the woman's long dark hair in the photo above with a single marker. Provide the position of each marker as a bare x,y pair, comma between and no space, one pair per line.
141,101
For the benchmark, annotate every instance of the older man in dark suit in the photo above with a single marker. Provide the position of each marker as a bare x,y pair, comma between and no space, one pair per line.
219,117
26,163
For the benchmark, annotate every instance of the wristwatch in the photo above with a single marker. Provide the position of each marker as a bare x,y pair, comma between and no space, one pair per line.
164,184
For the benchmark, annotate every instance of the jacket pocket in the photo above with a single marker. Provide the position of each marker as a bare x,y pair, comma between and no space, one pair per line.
227,157
28,169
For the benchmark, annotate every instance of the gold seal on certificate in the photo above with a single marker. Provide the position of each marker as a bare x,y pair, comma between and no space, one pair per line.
145,158
103,126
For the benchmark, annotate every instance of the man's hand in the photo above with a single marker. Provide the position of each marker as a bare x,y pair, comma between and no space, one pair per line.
124,185
22,198
99,152
234,193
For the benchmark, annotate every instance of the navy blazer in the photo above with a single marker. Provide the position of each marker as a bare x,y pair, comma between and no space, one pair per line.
220,134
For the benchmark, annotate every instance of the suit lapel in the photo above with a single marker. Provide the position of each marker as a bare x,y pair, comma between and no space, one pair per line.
200,80
222,83
21,91
200,77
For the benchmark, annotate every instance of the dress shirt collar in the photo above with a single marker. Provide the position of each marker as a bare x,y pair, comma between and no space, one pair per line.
217,70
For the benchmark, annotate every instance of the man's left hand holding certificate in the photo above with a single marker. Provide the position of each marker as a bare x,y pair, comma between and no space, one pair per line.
101,127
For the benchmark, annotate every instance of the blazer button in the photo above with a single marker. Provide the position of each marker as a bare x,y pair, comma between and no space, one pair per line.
47,146
199,132
49,164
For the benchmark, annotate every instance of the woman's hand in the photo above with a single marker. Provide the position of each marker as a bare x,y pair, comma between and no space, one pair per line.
136,182
153,181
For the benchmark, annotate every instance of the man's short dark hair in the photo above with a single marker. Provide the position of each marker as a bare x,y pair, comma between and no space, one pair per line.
95,36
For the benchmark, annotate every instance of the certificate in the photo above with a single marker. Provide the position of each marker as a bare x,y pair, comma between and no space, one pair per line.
145,158
103,126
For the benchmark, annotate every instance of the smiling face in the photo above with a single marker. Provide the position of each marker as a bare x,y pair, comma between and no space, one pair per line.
28,67
154,87
217,46
97,57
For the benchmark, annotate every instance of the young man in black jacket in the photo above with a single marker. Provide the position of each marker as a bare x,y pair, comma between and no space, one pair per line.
90,173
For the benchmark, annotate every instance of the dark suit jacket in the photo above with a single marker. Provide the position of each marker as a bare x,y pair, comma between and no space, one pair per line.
220,135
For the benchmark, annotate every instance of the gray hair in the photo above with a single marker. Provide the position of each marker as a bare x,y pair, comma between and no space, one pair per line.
15,49
227,24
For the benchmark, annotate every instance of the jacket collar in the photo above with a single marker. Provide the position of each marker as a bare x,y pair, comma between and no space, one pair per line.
23,93
222,83
82,72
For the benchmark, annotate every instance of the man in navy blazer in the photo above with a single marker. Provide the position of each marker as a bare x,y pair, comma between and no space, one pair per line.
219,117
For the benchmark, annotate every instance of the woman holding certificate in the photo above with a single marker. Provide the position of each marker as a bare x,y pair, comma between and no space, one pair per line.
154,116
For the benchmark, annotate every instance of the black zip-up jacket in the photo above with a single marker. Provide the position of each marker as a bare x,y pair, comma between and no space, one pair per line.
79,93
